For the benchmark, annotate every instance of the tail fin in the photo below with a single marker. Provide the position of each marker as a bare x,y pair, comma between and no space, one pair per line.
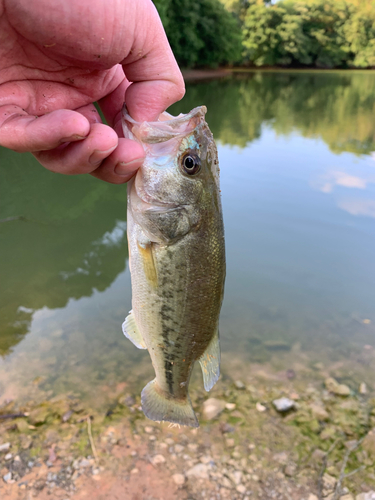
157,406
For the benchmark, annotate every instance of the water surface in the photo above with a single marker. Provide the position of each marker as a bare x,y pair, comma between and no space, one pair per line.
297,156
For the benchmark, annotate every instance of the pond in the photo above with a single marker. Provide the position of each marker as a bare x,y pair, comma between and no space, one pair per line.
297,156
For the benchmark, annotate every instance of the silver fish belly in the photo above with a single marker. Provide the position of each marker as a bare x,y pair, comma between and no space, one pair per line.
177,259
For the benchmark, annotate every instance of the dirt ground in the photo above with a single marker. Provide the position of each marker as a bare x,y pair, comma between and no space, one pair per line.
321,447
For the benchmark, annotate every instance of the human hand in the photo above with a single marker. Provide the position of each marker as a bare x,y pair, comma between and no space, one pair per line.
57,58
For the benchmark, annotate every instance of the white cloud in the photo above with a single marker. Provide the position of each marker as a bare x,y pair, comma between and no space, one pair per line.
358,207
327,182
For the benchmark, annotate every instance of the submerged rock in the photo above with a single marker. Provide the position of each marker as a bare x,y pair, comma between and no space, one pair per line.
329,483
261,408
239,384
66,416
328,433
5,447
212,408
363,388
281,457
368,443
318,455
339,389
225,428
38,416
230,442
26,442
22,425
283,405
290,470
319,411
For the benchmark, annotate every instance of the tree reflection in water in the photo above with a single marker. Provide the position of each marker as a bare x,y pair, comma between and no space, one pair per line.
72,240
337,106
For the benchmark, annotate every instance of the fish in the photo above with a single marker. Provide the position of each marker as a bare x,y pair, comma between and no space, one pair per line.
177,259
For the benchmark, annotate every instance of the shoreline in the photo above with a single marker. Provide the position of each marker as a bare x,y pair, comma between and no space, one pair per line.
191,75
204,74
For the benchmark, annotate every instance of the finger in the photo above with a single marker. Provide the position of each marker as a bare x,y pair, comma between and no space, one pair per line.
112,104
122,164
90,113
22,132
157,79
83,156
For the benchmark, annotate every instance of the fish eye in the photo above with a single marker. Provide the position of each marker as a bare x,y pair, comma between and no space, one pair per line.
191,163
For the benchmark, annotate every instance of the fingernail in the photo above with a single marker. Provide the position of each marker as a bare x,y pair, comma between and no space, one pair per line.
126,168
98,156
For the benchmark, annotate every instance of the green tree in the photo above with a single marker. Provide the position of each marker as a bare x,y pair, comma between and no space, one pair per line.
290,32
201,32
324,23
274,35
360,35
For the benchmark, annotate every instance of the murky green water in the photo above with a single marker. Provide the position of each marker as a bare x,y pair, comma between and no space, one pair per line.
297,154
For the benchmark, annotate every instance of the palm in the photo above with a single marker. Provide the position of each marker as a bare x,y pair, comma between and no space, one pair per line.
54,60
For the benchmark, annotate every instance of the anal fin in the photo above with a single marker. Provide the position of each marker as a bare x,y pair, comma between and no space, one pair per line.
210,363
130,330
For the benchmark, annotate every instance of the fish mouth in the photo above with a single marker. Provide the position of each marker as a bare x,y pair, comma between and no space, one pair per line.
165,128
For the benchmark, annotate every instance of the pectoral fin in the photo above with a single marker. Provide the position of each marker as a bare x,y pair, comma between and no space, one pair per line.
147,258
130,329
210,363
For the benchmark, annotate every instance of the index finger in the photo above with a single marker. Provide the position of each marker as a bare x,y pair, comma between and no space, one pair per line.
23,132
156,79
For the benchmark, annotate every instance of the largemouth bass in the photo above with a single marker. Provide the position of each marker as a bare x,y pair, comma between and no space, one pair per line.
177,259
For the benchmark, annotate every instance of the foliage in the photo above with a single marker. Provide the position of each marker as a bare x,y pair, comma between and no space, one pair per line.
201,33
320,33
360,34
295,32
315,33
